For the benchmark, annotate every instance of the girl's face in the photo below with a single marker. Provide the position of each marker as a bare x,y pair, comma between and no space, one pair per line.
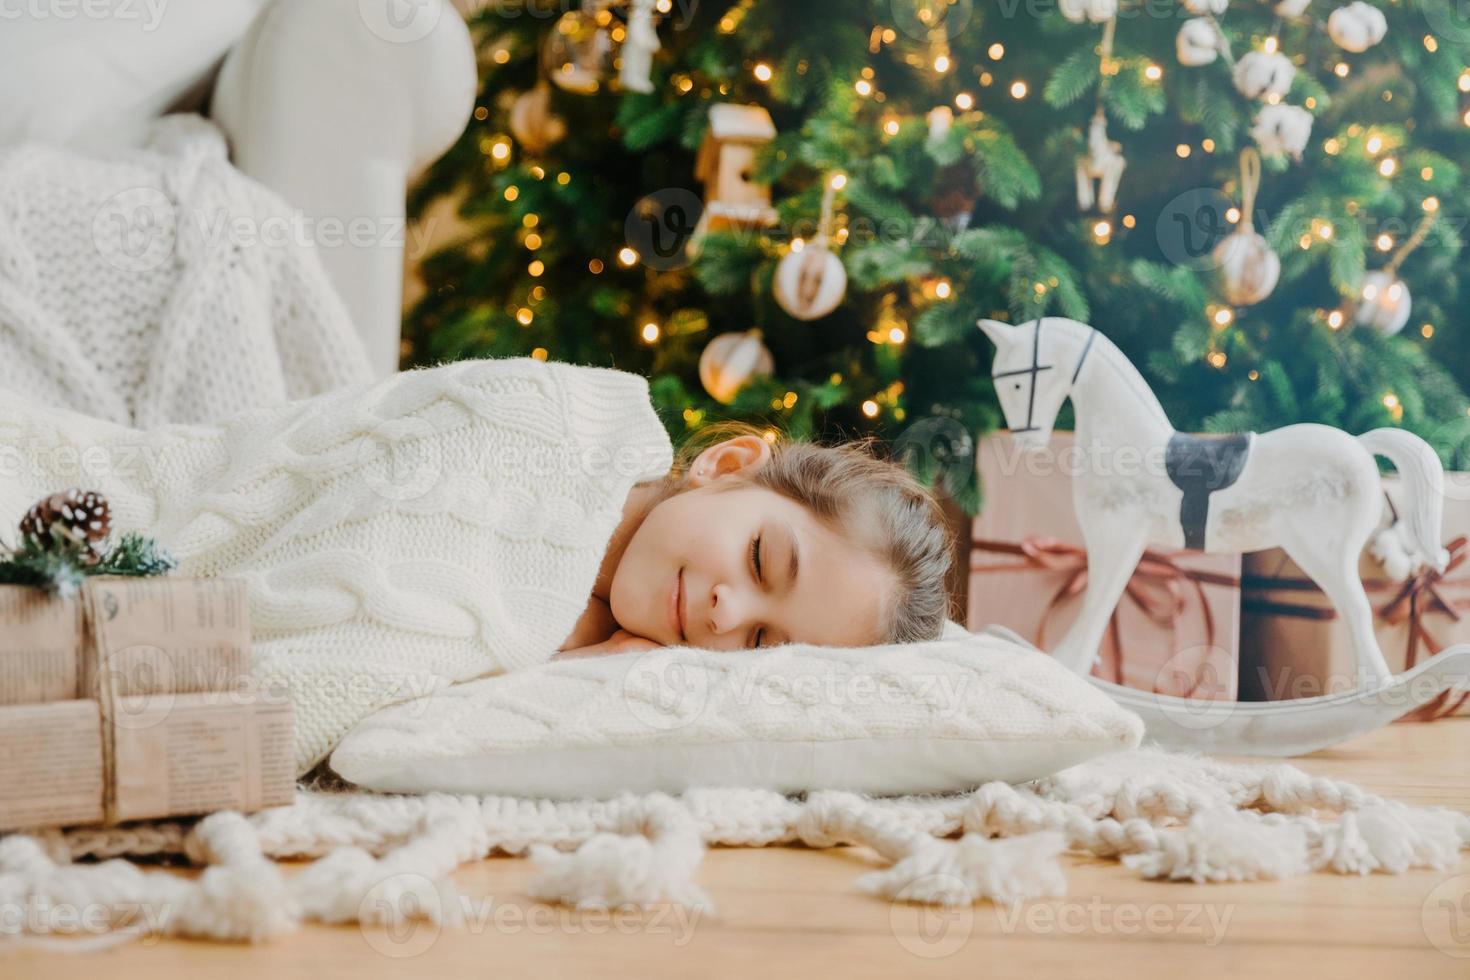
730,569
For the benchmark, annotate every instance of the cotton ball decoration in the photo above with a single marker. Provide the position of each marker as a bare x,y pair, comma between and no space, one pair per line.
1248,266
1097,11
532,122
730,361
1292,8
1385,303
1282,129
1262,74
1199,42
1356,27
1202,8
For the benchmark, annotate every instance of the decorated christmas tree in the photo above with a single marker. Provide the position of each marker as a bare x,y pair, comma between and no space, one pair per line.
794,213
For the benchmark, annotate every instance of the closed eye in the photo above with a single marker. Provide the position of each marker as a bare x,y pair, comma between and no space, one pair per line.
755,556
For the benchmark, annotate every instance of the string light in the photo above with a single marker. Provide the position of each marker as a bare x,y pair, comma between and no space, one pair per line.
1430,44
512,192
1018,89
524,316
1334,319
533,241
1271,45
870,408
1254,375
1232,215
650,332
1153,73
1223,316
1102,231
500,149
1207,144
943,289
1431,204
1340,69
531,220
864,87
1464,82
941,64
1427,173
1388,166
897,335
536,268
997,51
1426,330
1332,146
539,353
891,126
627,256
595,267
1374,145
563,178
1182,150
481,113
964,101
1216,358
763,72
1384,242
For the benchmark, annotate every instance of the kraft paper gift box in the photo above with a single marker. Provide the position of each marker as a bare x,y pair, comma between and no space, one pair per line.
1176,628
133,700
1294,645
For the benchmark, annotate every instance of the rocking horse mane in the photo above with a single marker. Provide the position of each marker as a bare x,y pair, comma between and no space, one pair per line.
1105,352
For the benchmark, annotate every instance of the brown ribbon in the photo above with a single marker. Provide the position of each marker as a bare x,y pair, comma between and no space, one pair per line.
1413,599
1158,586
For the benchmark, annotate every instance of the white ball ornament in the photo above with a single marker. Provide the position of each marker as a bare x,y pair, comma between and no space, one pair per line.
1199,42
1385,303
1356,27
532,121
1097,11
1248,267
1200,8
1262,74
810,283
1282,129
1292,8
730,361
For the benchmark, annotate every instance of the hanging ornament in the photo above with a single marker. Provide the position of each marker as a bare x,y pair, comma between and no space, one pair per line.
1282,129
810,283
1096,11
533,123
952,197
1204,8
1199,42
1104,163
1263,74
730,361
578,51
732,199
639,48
1248,267
1356,27
1384,297
72,517
940,119
1385,303
1292,9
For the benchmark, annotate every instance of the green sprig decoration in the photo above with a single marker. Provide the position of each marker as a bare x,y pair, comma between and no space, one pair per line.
60,565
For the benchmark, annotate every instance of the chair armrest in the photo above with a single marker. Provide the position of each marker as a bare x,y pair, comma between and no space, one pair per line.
335,110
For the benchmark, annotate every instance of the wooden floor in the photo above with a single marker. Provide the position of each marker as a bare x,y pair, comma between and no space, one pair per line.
790,912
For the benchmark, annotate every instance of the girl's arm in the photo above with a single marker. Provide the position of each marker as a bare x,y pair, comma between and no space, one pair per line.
620,642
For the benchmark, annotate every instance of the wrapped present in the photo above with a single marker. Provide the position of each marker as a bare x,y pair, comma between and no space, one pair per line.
1294,644
1176,628
133,699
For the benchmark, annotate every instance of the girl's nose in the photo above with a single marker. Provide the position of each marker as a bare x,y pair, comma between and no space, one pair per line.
725,613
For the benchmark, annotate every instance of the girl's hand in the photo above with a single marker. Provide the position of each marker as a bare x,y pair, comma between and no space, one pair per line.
620,642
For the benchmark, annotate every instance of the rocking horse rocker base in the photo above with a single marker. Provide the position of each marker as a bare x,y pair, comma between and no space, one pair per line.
1309,489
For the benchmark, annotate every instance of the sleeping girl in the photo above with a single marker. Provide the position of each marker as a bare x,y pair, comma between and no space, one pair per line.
457,521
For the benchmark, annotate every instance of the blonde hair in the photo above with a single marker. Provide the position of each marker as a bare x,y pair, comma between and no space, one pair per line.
878,502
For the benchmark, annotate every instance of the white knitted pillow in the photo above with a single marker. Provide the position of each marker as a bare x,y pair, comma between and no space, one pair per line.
907,718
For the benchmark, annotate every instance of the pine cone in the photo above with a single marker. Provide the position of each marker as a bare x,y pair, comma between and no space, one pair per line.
81,516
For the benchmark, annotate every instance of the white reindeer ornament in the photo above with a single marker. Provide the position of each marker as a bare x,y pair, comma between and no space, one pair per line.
1103,163
1310,489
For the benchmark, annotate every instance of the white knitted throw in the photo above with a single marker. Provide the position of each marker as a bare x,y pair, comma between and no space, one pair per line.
398,535
384,859
161,285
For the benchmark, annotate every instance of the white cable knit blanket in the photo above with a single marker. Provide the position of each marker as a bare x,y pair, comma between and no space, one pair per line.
162,285
396,536
384,859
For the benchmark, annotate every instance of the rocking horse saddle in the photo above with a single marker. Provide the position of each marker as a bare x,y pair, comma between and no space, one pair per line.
1200,465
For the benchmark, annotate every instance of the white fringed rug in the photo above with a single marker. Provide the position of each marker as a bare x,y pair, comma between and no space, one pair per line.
387,858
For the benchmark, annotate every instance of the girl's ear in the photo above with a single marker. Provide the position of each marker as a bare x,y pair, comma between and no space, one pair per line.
742,454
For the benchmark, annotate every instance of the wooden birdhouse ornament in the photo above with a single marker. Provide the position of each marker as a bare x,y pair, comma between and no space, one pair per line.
725,162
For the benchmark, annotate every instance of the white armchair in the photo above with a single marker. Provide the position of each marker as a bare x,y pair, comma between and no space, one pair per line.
333,104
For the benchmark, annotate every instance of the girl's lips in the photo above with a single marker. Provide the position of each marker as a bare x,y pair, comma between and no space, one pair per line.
676,606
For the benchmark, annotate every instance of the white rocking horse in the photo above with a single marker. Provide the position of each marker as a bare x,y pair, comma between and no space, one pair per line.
1310,489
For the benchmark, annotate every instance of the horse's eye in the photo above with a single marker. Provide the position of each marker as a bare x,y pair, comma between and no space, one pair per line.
1018,386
